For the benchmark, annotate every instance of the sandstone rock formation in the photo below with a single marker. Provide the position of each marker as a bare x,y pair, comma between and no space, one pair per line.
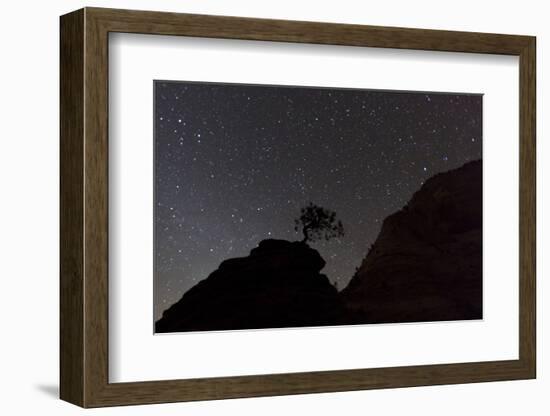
426,264
277,285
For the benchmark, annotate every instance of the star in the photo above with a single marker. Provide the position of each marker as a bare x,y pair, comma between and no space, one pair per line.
233,164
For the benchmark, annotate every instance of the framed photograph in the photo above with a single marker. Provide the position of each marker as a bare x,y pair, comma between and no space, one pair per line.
255,207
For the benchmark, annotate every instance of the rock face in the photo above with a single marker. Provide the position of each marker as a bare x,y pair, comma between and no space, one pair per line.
277,285
426,264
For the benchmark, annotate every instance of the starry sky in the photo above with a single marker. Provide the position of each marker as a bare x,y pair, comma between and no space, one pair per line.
234,163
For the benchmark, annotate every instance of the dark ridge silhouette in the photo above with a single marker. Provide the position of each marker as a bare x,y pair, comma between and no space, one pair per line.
425,265
277,285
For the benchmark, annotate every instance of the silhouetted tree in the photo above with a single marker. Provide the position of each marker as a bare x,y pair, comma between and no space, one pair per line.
317,222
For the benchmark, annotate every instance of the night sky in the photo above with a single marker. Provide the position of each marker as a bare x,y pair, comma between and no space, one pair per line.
235,163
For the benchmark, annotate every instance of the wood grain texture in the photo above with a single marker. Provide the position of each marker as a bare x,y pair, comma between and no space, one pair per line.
527,207
304,383
162,23
84,207
96,216
71,213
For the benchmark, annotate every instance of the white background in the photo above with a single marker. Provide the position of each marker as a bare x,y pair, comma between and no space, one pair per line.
136,355
29,217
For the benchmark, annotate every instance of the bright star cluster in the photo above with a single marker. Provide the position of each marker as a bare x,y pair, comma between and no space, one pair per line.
235,163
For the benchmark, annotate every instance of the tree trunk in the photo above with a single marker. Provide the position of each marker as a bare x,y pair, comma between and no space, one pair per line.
306,236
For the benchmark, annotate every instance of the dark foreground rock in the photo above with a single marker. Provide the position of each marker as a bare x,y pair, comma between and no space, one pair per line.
277,285
426,264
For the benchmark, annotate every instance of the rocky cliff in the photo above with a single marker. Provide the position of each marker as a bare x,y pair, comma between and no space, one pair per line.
426,264
277,285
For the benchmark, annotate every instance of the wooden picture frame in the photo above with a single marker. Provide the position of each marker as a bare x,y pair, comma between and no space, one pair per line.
84,207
